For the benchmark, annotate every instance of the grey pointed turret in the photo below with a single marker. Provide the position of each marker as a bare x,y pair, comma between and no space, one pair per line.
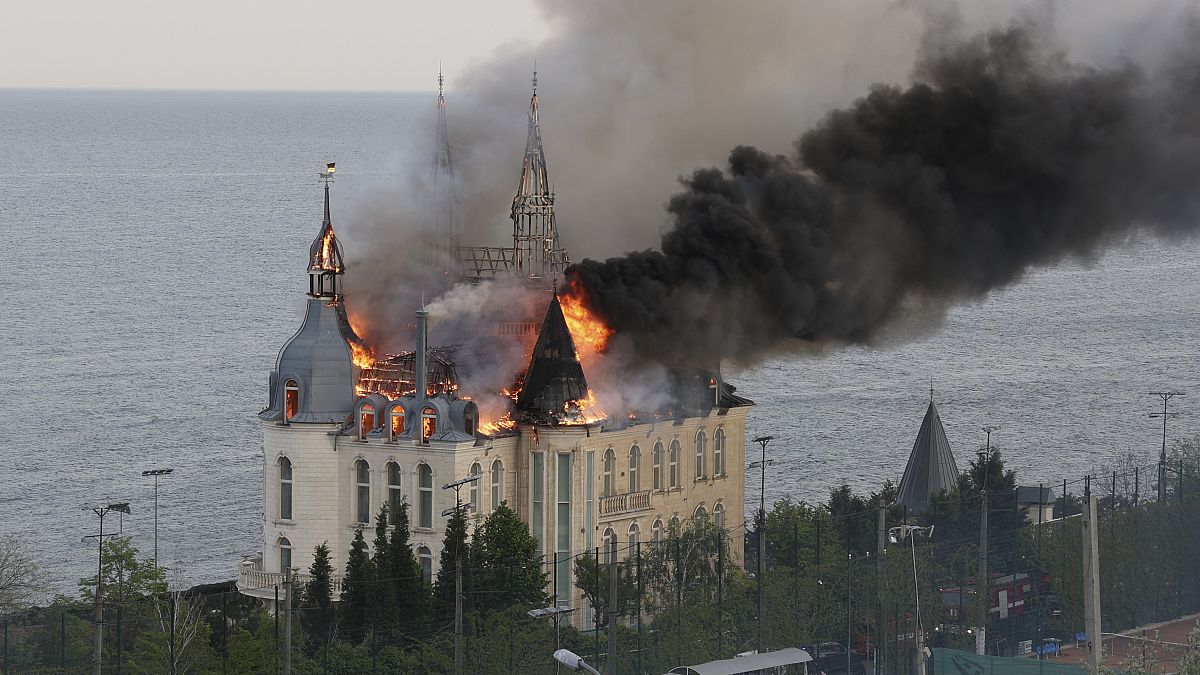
931,468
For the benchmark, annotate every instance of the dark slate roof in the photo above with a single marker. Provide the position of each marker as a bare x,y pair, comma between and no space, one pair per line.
555,376
931,467
1029,495
319,359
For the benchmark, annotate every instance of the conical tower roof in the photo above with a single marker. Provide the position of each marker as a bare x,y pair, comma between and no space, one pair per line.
931,467
555,376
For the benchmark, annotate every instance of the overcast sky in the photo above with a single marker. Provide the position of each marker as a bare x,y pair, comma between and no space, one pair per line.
254,44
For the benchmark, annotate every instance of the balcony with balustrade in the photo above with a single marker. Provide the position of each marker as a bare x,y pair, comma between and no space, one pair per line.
629,502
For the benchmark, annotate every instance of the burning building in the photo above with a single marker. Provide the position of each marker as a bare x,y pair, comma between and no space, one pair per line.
346,430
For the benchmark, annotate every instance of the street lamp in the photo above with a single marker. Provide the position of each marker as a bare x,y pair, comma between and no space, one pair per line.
122,507
456,485
895,535
761,531
555,613
573,661
156,473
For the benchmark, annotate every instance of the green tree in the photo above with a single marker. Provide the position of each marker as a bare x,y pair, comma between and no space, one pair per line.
505,559
316,600
443,587
126,578
593,580
358,594
404,574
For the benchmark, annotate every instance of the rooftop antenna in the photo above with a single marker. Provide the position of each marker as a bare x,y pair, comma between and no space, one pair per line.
535,77
327,178
931,389
441,79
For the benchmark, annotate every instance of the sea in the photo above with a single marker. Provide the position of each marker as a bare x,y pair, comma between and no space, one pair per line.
152,260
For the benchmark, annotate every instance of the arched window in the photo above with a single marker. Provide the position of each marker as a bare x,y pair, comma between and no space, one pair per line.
394,494
285,555
701,513
362,491
701,453
719,452
675,530
606,486
428,423
610,537
497,483
719,515
285,488
673,462
366,420
473,494
425,503
470,420
656,531
633,536
425,557
291,399
397,422
635,461
656,470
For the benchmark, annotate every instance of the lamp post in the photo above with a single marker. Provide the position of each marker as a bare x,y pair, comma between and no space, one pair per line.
895,535
761,530
98,644
573,661
556,614
156,473
982,582
456,485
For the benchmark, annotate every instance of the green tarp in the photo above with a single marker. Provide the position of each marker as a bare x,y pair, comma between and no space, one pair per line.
954,662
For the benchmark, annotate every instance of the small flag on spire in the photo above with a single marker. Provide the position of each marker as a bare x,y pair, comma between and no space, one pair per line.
329,167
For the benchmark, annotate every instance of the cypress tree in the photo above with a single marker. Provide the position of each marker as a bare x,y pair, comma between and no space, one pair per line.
358,600
407,586
443,587
316,613
381,568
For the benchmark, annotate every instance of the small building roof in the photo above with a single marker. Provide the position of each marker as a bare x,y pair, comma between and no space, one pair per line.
931,468
1028,494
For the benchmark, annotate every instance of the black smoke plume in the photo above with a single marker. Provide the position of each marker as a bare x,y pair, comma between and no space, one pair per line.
1002,155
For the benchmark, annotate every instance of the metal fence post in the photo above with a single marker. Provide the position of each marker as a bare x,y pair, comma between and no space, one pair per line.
62,640
120,636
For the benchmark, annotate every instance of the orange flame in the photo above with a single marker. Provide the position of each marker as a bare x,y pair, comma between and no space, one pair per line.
583,411
326,258
589,332
499,425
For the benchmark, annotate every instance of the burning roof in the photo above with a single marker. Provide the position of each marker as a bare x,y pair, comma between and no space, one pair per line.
395,375
554,389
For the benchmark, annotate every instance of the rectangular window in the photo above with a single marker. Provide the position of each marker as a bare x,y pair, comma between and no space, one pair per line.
285,500
589,495
539,500
564,528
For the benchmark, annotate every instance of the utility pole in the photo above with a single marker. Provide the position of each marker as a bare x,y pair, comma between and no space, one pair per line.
98,642
880,549
458,580
1091,582
761,530
288,582
983,598
612,607
896,534
1162,458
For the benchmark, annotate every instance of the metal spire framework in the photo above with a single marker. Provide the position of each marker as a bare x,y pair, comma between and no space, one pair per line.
535,234
536,254
325,262
444,205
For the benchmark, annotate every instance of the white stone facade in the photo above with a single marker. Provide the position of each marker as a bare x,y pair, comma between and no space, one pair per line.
325,487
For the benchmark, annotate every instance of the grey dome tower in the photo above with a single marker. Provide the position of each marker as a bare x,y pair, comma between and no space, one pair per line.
931,468
313,380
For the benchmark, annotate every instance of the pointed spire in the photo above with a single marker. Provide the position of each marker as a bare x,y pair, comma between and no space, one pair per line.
555,376
931,467
444,204
325,262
